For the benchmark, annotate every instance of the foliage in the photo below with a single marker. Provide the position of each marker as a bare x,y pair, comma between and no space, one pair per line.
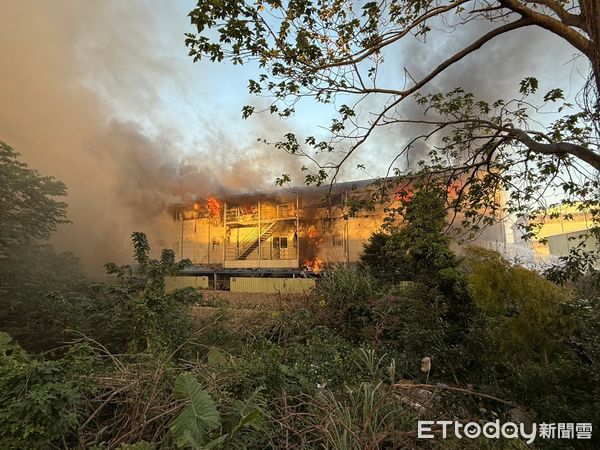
529,143
580,261
136,313
411,320
524,310
346,292
29,210
434,299
39,295
563,391
38,398
198,418
336,370
324,358
193,426
36,283
417,248
365,417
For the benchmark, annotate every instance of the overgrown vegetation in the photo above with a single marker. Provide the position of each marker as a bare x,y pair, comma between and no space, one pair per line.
373,349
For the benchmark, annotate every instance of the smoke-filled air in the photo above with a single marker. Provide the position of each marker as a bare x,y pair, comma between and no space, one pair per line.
101,96
299,224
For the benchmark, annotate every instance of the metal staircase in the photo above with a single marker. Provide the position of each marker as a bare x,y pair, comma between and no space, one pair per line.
248,245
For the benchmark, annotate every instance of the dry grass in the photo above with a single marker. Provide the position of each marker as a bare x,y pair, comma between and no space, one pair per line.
246,310
255,301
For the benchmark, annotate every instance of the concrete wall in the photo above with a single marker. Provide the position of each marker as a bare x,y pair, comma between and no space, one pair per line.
561,244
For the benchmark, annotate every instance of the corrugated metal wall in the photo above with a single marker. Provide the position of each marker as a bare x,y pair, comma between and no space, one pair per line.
272,285
172,283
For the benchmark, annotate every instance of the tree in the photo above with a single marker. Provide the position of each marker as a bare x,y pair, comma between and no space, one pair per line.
417,249
524,310
34,279
29,210
333,51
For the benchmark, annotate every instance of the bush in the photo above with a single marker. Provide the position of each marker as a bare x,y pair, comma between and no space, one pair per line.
418,248
345,293
524,310
39,295
323,359
410,320
135,314
38,398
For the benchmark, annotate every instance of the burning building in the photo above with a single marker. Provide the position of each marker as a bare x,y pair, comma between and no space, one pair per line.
281,231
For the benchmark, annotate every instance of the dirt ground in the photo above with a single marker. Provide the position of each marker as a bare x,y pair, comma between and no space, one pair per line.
246,309
253,301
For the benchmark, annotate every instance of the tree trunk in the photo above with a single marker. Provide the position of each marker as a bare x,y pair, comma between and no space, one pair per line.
590,13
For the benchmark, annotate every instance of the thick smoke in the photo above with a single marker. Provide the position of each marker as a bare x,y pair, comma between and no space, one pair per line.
492,72
85,95
74,74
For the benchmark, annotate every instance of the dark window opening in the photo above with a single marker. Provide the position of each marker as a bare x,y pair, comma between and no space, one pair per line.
337,240
280,242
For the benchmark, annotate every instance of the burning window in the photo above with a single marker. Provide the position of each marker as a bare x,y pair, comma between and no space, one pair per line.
337,240
213,206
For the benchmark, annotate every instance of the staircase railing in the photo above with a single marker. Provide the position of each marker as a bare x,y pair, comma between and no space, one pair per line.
251,241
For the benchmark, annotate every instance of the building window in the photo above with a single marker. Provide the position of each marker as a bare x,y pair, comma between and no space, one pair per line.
280,242
337,240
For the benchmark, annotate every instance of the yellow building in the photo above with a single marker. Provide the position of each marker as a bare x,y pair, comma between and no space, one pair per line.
295,231
560,228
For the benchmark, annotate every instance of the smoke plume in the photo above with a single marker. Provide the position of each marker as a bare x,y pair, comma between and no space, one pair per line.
80,100
89,92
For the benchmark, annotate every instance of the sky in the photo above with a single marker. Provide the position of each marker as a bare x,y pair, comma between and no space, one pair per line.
103,96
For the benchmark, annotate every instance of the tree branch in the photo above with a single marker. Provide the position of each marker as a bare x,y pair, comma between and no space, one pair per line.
573,20
557,148
360,56
555,26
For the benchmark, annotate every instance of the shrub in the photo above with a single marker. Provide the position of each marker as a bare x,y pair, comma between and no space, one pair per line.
136,314
324,358
38,398
410,320
524,310
39,295
345,293
566,390
418,248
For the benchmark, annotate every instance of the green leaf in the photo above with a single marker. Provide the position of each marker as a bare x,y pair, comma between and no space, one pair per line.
528,86
192,425
216,358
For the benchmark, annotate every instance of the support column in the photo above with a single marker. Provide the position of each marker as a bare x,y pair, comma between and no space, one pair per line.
224,232
298,230
259,234
181,246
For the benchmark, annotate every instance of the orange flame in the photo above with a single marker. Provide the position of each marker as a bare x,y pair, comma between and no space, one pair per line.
455,188
312,232
214,207
313,265
404,196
